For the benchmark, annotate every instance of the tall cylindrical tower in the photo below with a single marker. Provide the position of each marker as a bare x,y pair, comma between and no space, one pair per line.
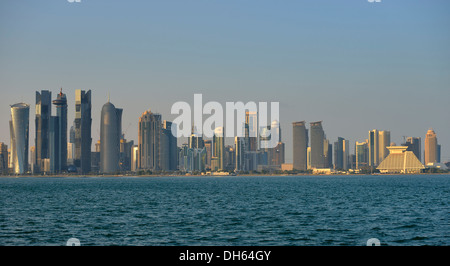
109,139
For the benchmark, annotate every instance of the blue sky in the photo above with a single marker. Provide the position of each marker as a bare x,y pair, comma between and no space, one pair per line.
354,65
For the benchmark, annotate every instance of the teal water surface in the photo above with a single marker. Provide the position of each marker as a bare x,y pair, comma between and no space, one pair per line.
226,211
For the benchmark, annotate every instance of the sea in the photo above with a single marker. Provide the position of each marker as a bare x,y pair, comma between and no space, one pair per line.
341,210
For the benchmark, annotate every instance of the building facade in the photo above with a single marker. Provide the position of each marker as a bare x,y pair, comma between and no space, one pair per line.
150,126
19,131
83,134
300,146
110,135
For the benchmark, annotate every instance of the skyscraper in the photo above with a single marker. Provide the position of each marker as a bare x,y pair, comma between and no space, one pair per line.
414,145
362,154
341,154
300,145
327,154
169,148
251,127
218,155
150,127
19,130
317,145
384,141
3,159
110,133
208,147
430,155
83,124
42,126
58,143
373,148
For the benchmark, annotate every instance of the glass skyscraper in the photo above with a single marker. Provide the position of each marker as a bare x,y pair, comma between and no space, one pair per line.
300,146
19,130
42,127
83,124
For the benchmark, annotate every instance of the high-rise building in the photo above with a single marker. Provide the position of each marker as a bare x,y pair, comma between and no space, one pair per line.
414,145
384,141
327,154
317,145
341,154
58,133
239,148
378,142
169,148
3,159
251,130
150,126
438,153
19,130
42,126
373,148
125,159
300,146
431,147
362,154
208,147
110,133
83,135
134,158
218,155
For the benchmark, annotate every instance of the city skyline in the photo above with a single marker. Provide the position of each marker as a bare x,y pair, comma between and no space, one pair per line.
377,140
356,69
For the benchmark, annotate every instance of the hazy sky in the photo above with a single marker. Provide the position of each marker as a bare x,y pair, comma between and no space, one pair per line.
352,64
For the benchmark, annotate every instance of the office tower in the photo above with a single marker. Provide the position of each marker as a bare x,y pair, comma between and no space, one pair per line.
276,155
110,138
438,153
83,124
169,148
251,130
208,147
338,154
362,154
58,131
430,147
341,154
3,159
239,149
300,146
346,155
195,141
70,153
327,154
308,158
52,165
42,126
150,126
384,140
134,158
217,160
373,148
125,158
317,145
19,130
414,145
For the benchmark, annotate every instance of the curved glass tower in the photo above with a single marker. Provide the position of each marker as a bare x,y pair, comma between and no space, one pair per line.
19,129
110,128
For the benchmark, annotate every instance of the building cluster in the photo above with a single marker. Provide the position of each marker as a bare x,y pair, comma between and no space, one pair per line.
312,151
157,149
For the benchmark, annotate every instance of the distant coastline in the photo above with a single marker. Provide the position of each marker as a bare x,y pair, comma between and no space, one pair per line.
218,176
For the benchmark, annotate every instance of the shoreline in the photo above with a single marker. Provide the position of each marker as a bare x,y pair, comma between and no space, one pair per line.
218,176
